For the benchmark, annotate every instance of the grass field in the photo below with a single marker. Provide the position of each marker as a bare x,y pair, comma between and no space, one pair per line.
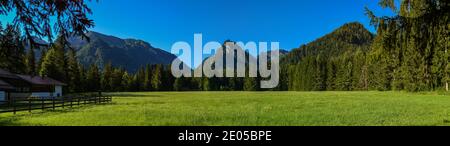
250,109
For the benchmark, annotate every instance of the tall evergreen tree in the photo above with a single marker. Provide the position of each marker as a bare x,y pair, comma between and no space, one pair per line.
93,78
30,62
156,77
107,77
11,50
140,79
83,81
52,65
148,78
73,72
117,79
126,82
413,43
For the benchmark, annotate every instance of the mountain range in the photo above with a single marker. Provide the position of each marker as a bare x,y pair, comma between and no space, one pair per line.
347,38
131,54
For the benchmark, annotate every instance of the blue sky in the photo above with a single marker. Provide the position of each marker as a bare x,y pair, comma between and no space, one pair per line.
290,22
164,22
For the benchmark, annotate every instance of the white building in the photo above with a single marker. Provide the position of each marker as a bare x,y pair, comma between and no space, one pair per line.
24,86
4,89
43,86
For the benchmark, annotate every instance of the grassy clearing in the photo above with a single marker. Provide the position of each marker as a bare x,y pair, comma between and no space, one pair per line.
251,109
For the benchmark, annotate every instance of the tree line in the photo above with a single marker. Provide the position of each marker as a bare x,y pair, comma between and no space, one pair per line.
60,62
408,52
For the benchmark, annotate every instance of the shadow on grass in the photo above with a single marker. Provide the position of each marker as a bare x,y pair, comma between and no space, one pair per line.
9,119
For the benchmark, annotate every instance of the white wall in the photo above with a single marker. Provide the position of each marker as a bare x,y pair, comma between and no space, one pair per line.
58,91
19,95
40,94
2,95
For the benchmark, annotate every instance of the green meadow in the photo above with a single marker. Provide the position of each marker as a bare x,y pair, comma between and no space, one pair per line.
249,109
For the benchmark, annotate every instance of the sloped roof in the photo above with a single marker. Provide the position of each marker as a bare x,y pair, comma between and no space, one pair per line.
38,80
5,86
7,74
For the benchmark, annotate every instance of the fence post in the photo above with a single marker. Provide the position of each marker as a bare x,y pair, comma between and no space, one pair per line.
43,103
62,102
29,105
71,104
14,105
78,98
53,103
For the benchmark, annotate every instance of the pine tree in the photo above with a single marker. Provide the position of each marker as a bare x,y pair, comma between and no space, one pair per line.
73,72
30,62
60,60
412,43
36,17
320,74
51,66
41,59
93,78
344,74
117,80
148,77
126,82
156,77
359,74
331,74
83,81
11,50
107,77
134,83
140,79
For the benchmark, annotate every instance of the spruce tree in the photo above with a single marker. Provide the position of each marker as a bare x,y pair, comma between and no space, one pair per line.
93,78
73,72
107,77
156,77
117,80
126,82
51,65
30,63
11,50
148,78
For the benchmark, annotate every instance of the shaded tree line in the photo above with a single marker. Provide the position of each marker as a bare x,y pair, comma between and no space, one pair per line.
333,62
60,62
409,52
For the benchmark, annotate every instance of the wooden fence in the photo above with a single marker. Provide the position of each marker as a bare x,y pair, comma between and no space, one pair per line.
30,104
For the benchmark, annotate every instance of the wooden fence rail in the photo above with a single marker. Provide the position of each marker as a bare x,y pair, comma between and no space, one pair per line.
30,104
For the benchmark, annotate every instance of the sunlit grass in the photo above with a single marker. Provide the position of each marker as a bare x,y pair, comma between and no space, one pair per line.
250,109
